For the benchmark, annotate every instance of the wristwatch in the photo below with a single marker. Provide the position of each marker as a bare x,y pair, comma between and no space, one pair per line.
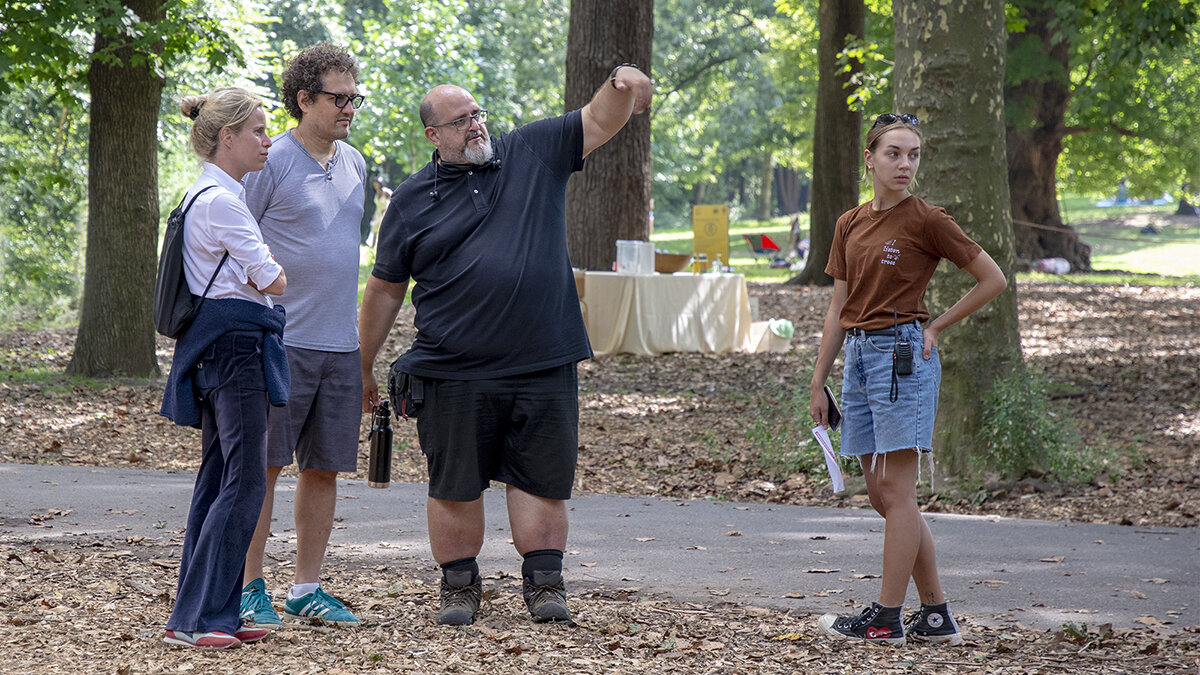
612,77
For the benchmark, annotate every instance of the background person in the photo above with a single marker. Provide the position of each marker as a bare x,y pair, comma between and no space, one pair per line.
884,253
224,368
309,201
481,230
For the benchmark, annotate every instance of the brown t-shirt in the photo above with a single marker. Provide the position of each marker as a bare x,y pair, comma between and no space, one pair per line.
887,262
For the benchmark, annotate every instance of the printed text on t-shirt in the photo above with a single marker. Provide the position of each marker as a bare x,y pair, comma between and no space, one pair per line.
891,254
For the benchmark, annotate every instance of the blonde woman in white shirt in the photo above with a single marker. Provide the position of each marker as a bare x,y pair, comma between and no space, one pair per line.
227,368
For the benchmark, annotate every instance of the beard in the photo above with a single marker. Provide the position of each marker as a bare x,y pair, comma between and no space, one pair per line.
479,154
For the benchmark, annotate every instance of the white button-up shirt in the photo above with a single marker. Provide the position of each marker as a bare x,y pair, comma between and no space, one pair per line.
219,221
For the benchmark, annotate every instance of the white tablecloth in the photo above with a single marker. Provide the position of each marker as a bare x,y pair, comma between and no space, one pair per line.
659,313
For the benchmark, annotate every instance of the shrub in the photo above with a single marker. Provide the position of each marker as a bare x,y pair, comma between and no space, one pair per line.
1024,436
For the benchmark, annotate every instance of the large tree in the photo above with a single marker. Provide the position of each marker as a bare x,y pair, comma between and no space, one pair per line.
118,48
1081,68
115,318
950,73
611,199
836,145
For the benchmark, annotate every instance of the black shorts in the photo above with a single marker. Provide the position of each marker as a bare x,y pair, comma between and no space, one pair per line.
521,430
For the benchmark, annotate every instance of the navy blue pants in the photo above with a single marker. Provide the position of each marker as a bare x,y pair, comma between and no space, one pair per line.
230,485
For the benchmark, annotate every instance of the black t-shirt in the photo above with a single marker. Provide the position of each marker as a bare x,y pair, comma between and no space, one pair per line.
494,292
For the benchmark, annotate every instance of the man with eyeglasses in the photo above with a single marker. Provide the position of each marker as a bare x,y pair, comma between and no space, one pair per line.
309,201
481,230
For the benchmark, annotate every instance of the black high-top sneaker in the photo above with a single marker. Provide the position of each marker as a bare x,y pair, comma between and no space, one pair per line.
877,624
933,623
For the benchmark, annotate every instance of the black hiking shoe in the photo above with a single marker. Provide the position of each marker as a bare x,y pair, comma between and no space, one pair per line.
546,597
933,623
460,598
877,625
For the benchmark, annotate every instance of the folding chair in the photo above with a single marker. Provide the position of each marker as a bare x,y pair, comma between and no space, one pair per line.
761,244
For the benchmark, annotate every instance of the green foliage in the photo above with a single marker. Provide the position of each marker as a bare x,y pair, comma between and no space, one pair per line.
716,103
46,50
1026,437
42,182
779,434
56,42
1132,82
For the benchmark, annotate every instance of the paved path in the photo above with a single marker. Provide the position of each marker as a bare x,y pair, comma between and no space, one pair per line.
1039,573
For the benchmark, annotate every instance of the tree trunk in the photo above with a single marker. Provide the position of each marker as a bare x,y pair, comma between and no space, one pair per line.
1033,149
837,144
788,190
765,176
950,73
116,328
610,199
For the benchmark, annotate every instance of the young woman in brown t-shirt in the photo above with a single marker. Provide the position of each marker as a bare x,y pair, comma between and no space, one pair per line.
884,253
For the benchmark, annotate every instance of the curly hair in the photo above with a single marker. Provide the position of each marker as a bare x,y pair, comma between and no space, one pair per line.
306,70
224,107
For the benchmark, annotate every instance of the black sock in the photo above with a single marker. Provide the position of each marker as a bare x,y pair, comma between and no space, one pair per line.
545,559
461,565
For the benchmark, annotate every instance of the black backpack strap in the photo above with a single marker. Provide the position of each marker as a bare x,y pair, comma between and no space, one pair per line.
225,257
194,198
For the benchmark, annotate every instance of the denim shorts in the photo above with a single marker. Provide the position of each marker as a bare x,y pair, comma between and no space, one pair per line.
871,422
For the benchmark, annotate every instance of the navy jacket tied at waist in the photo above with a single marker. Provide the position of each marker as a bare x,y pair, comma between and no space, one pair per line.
217,317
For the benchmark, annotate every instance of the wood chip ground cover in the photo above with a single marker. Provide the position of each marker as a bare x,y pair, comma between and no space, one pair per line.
677,425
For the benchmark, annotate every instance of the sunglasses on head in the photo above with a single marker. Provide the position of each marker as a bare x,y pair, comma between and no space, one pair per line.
892,118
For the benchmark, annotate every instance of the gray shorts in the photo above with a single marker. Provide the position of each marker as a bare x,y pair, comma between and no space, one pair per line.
319,427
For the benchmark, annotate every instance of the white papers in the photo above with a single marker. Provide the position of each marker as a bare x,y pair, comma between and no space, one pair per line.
831,463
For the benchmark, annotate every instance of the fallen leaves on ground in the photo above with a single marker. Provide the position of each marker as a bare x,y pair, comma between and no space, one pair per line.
99,606
685,426
727,426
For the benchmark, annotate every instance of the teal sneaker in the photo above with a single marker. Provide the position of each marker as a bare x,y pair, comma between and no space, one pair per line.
322,607
256,606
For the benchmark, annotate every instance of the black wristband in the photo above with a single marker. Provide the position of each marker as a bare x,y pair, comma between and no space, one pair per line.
612,77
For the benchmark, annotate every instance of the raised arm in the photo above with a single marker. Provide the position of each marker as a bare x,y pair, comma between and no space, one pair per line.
627,92
380,305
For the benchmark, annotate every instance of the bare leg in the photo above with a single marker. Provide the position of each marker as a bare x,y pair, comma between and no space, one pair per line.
455,529
258,545
536,523
316,499
908,549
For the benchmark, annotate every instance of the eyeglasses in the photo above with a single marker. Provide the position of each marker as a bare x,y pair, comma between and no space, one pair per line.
340,100
464,122
891,118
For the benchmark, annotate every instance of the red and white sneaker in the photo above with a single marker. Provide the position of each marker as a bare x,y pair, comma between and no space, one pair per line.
246,633
213,640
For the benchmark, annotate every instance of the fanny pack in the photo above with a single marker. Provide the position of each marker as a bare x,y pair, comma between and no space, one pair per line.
405,391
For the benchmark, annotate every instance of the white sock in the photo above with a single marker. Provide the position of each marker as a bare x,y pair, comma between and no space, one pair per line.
301,590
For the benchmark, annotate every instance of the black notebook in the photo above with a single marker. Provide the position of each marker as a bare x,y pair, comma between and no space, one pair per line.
835,414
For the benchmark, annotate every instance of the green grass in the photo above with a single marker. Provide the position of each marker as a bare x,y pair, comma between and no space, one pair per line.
679,240
1173,252
1077,209
47,379
1122,255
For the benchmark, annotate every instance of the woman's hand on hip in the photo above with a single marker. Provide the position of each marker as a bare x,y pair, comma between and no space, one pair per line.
929,338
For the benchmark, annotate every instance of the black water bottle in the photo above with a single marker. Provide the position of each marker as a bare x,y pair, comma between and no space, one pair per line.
379,467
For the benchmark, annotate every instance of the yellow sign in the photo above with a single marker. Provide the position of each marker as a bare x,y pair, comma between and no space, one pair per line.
710,235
